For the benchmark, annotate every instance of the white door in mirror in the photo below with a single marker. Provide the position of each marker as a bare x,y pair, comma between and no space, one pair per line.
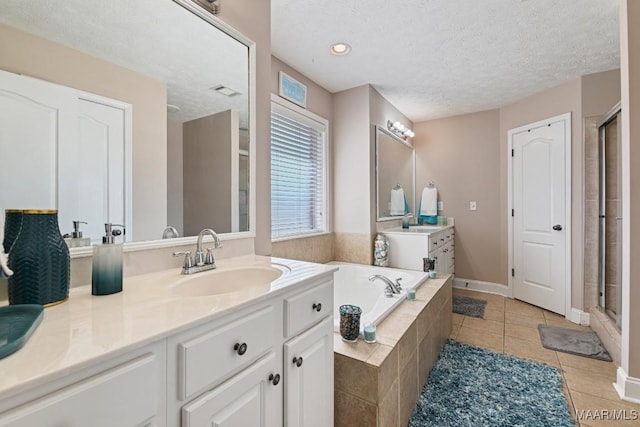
57,134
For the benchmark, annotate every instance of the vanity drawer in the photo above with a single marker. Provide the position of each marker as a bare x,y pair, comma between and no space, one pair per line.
307,308
436,240
125,395
208,358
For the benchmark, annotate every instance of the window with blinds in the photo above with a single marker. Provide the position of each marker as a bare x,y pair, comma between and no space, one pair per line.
298,174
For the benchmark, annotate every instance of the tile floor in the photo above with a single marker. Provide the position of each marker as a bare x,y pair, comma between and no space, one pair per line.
510,326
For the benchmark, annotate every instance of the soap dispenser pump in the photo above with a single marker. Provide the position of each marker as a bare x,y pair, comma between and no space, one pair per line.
75,239
106,274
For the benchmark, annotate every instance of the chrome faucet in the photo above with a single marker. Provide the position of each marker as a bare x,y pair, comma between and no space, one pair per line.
170,233
202,262
391,288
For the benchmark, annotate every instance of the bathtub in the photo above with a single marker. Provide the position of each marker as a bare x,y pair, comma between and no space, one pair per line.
352,286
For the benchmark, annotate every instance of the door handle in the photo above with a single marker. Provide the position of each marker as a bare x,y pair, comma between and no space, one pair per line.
557,227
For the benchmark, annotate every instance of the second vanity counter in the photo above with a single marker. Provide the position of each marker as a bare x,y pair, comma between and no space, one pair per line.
86,329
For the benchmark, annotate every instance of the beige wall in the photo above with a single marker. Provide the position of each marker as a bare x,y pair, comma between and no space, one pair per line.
462,156
210,178
319,101
318,98
630,126
253,19
30,55
351,161
175,202
600,92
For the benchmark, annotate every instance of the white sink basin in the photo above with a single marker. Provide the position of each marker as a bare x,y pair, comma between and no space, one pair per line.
227,280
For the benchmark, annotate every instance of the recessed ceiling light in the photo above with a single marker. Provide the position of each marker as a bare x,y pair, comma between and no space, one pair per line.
224,90
340,49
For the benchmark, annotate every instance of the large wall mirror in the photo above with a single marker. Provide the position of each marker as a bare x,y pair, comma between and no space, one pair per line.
130,112
395,176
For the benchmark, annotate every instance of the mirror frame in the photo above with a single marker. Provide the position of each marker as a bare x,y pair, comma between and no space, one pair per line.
381,129
217,23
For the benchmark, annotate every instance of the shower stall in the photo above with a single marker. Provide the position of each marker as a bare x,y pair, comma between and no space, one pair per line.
610,216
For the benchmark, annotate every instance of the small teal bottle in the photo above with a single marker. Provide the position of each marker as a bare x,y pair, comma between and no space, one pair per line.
106,272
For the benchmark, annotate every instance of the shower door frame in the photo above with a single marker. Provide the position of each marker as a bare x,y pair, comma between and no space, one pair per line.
610,116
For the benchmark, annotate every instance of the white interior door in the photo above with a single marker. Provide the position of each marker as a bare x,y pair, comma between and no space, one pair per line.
36,118
539,199
101,164
69,151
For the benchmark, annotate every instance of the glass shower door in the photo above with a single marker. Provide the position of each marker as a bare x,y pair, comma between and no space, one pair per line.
610,223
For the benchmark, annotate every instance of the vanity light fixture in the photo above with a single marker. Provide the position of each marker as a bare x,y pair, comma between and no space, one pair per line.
224,90
340,49
399,129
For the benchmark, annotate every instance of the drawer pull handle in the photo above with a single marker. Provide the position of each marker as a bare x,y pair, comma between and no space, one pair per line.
317,307
275,379
297,361
240,348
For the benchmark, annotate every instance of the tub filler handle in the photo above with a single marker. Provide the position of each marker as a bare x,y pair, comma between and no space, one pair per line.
391,287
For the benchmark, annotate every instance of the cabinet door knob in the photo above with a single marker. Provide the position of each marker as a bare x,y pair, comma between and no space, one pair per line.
297,361
317,307
557,227
275,379
240,348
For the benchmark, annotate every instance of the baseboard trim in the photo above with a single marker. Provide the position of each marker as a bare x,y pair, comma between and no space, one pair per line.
578,316
575,315
628,388
477,285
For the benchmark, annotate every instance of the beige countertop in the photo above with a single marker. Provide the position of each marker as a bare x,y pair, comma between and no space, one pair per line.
418,229
89,329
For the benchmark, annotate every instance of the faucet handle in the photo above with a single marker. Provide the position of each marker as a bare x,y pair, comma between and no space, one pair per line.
199,258
209,258
188,262
398,284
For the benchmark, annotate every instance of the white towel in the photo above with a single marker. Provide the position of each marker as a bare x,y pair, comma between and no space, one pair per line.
429,203
396,206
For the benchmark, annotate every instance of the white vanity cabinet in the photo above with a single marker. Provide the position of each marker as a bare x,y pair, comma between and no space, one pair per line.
407,248
308,371
250,398
263,361
128,391
240,370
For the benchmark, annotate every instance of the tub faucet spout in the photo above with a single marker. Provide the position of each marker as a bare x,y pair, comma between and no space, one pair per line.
392,288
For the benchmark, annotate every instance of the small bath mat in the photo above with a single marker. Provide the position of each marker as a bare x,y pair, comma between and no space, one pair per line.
580,343
469,306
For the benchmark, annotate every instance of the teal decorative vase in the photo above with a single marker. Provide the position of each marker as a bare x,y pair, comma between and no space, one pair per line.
40,261
12,224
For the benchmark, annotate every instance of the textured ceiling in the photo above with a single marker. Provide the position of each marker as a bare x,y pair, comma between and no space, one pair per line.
438,58
159,39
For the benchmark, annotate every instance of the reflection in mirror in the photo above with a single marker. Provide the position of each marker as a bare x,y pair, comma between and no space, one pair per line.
126,112
395,176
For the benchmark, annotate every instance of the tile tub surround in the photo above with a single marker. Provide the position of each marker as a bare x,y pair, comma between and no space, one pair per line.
379,384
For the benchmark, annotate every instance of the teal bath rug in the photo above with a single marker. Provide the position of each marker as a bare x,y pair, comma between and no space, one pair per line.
473,387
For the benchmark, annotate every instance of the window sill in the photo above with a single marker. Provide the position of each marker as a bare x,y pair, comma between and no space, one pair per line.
300,236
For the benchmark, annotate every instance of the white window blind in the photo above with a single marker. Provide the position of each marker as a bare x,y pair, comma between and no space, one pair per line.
298,181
